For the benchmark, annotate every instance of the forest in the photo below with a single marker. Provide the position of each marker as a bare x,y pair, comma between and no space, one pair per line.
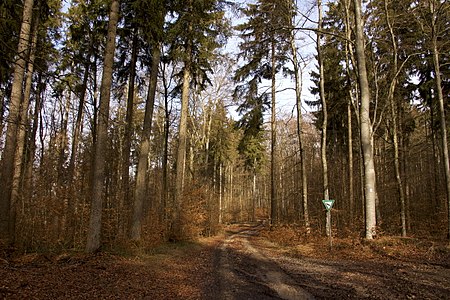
138,122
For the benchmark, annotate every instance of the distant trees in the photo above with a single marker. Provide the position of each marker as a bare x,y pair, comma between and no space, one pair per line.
264,49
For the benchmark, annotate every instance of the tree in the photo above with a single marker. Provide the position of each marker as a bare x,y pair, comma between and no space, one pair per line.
300,125
23,121
7,219
323,101
265,46
366,129
93,239
10,23
155,39
438,27
396,69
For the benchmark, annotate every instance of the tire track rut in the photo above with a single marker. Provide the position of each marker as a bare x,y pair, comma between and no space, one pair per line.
243,272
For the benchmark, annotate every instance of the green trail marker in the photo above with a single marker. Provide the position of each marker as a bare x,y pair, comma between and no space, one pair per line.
328,204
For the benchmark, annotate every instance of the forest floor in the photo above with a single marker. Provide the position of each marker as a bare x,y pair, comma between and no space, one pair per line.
245,262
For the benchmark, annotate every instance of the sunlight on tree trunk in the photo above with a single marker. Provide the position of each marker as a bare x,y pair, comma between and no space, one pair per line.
323,101
365,127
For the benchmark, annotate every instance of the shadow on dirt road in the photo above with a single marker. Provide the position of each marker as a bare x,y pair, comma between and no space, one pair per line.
245,273
249,267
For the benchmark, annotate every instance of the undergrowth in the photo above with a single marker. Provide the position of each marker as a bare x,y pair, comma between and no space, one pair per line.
296,242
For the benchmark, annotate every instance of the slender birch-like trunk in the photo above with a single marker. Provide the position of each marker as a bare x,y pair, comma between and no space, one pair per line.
323,148
298,92
394,118
274,207
366,128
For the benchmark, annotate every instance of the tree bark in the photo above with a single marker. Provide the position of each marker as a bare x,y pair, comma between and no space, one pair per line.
394,118
95,221
165,171
274,207
142,169
18,176
365,127
349,59
73,155
129,117
182,143
7,220
323,148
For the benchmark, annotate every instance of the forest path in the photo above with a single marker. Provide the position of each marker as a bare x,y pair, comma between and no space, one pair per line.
245,273
251,267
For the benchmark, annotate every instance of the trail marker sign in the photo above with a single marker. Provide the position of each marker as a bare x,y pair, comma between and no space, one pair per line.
328,204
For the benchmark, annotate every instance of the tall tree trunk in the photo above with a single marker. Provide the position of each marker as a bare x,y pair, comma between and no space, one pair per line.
274,207
298,93
95,221
126,150
182,141
349,59
31,139
73,155
254,196
365,127
165,175
326,192
394,118
78,124
61,153
440,97
18,176
142,169
7,221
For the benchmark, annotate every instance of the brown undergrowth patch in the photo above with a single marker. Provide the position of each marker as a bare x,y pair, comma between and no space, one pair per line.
296,242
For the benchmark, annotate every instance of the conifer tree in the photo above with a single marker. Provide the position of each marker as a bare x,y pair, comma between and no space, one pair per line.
264,49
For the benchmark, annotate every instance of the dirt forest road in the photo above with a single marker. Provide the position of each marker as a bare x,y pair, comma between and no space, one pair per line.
240,264
245,273
250,267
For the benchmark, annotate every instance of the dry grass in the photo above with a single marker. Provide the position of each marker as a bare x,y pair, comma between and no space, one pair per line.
297,243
